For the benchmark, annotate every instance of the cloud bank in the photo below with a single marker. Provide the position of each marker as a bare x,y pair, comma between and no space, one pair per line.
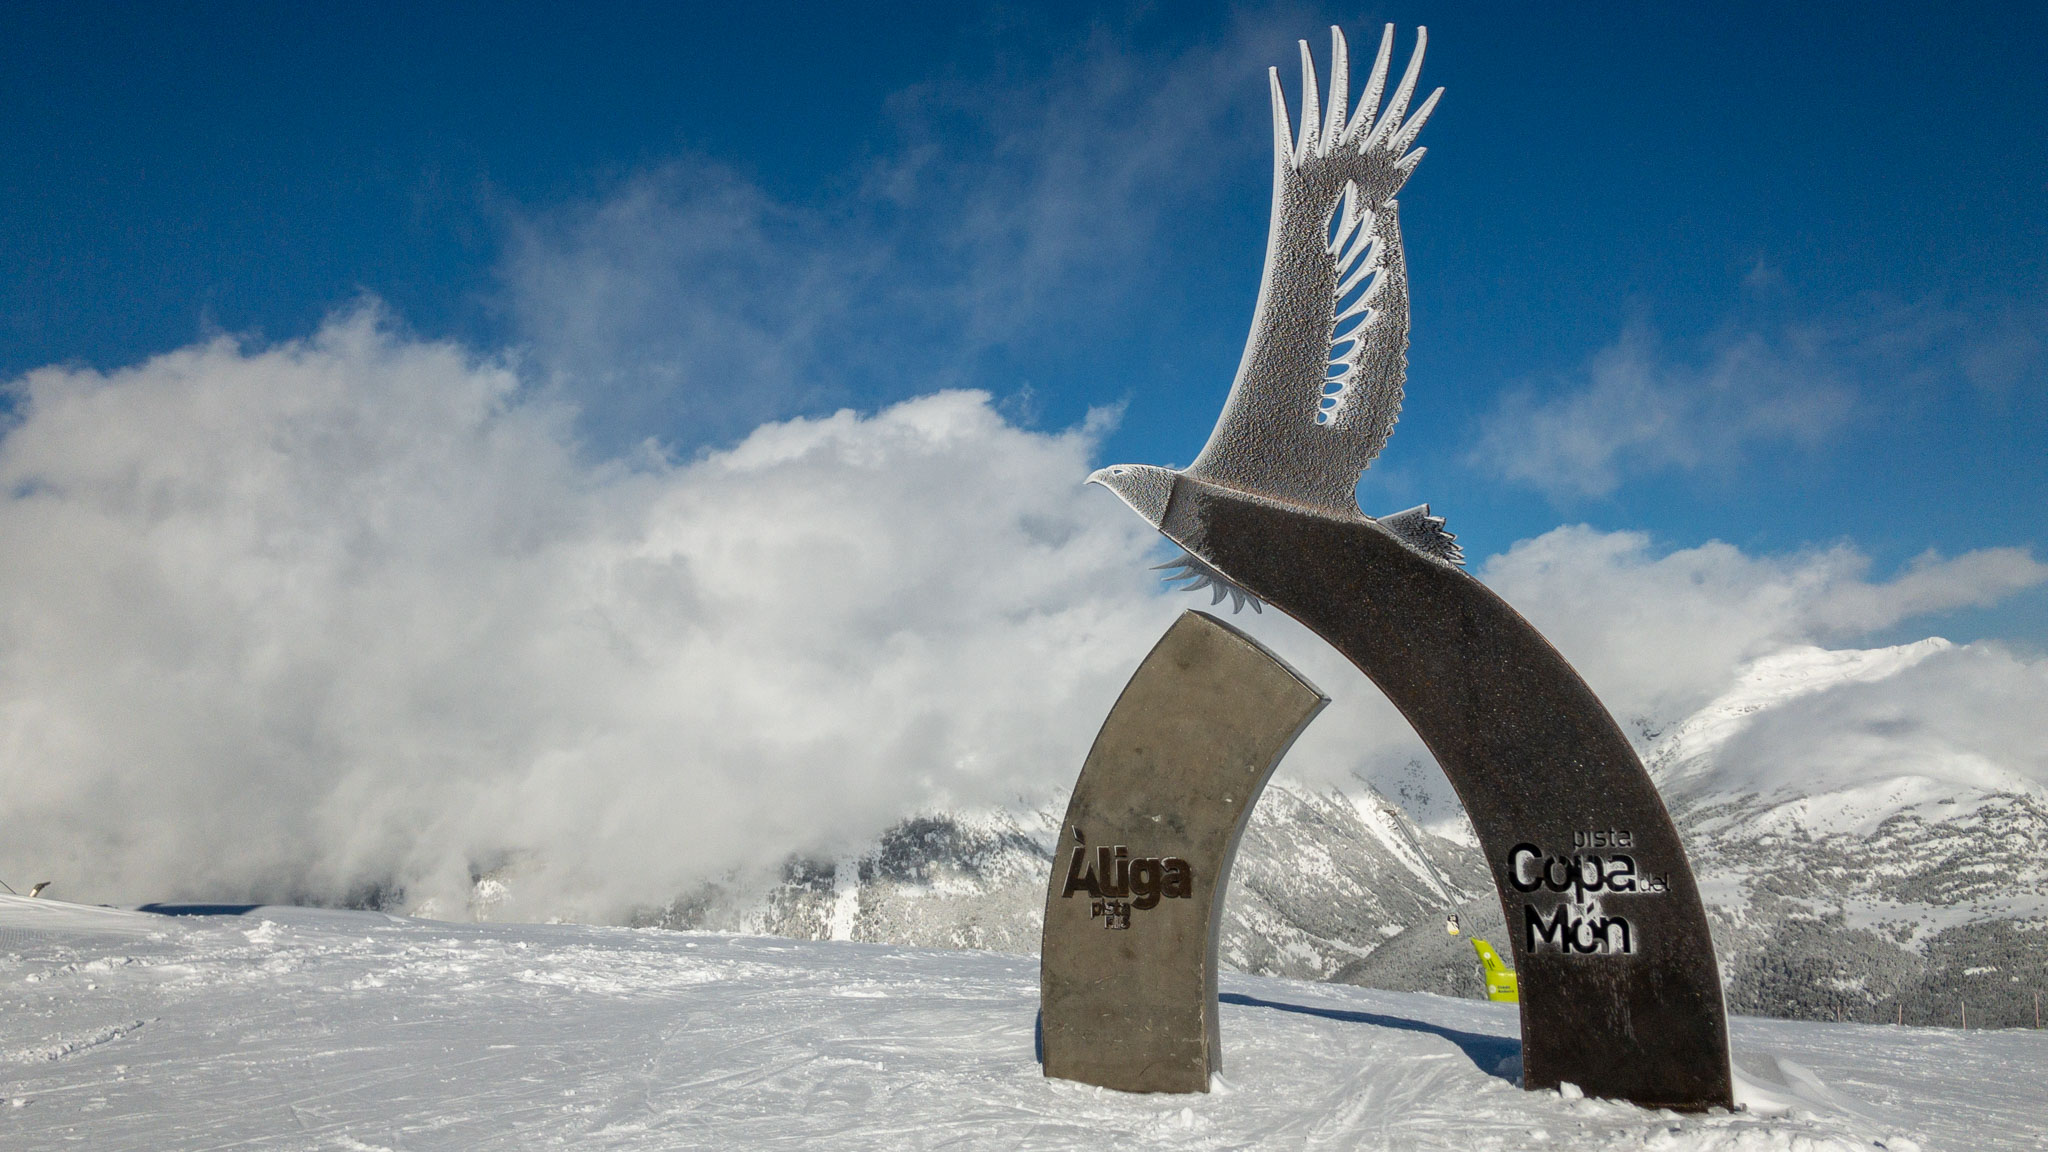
346,611
286,622
1658,634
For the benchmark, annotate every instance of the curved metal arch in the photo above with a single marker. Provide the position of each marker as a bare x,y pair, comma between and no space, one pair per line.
1620,991
1127,970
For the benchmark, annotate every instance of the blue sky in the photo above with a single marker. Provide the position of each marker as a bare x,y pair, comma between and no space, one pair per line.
1767,274
421,443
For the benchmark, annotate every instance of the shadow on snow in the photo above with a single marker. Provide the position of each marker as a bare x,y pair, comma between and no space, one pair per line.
1489,1053
199,909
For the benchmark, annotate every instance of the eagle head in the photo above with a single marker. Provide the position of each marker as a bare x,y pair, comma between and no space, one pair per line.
1145,488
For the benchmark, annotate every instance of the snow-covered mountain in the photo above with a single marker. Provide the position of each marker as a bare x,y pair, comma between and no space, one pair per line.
1861,861
1322,880
1858,862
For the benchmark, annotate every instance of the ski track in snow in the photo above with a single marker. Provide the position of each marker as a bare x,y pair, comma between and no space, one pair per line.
295,1028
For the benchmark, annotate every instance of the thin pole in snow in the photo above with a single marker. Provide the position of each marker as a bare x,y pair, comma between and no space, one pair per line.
1902,1009
1966,1013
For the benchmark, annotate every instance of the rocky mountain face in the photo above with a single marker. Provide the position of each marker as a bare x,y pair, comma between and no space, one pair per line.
1323,880
1885,878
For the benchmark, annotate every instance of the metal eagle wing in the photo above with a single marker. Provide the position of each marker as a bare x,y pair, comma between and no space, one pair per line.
1319,387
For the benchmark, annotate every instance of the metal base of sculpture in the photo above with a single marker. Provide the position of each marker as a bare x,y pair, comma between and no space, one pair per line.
1620,992
1128,967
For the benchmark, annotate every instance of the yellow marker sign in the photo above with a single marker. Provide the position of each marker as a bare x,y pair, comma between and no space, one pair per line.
1502,985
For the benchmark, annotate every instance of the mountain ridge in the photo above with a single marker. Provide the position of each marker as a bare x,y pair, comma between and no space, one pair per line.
1891,875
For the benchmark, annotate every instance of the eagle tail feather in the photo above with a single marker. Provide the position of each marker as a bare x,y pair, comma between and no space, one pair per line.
1425,533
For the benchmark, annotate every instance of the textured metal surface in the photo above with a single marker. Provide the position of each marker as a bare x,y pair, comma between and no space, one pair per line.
1128,966
1319,387
1620,993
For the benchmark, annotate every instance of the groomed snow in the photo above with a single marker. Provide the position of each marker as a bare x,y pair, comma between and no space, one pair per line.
300,1029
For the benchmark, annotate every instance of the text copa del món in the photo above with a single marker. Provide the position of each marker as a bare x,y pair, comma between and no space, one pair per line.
1571,928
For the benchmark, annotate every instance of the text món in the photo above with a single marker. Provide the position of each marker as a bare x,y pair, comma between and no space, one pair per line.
1568,931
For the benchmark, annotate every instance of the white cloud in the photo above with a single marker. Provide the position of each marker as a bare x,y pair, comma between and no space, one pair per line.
1659,635
346,610
1635,411
285,621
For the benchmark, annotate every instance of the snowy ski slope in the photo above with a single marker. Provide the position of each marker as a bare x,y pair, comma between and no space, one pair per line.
293,1028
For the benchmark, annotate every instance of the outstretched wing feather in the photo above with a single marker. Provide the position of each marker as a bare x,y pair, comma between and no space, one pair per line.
1369,359
1320,385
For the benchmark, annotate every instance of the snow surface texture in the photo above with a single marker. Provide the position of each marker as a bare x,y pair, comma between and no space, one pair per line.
298,1029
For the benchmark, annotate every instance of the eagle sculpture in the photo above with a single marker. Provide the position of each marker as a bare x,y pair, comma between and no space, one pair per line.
1319,387
1269,512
